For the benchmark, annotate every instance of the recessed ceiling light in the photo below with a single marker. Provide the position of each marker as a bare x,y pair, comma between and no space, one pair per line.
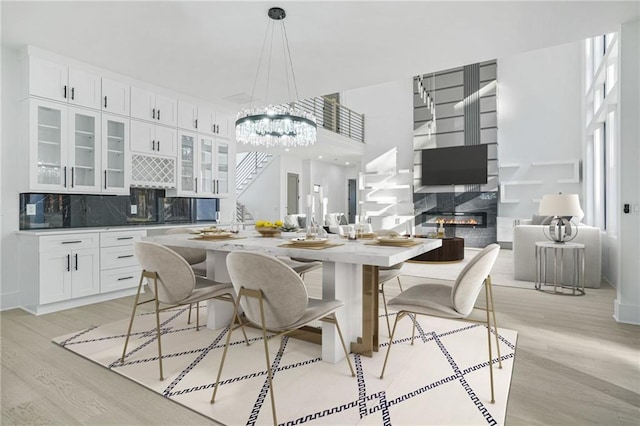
347,163
319,156
286,149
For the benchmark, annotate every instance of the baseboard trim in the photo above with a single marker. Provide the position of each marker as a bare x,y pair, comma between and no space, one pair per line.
625,313
10,301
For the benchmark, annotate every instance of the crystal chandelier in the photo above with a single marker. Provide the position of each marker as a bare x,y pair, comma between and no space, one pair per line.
276,125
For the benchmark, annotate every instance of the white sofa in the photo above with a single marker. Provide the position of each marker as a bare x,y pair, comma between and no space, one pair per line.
524,260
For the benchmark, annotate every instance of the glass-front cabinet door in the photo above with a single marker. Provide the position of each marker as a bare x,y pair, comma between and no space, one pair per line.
206,165
221,186
187,163
48,146
83,172
115,155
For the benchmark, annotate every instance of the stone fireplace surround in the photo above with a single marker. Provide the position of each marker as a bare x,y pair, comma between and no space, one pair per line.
459,212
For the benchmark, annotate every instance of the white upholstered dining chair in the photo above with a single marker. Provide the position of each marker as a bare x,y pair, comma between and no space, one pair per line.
274,298
453,302
172,282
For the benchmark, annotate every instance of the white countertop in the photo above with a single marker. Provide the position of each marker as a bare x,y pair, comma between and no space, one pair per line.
62,231
359,252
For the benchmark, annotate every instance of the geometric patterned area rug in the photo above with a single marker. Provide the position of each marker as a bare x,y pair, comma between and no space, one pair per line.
442,379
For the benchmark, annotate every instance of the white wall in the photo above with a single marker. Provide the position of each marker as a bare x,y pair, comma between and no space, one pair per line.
333,180
627,304
539,120
388,111
9,274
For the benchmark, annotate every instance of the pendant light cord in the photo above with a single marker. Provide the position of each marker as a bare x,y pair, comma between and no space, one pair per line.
255,80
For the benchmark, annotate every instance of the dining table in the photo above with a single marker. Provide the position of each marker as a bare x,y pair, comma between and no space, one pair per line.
349,274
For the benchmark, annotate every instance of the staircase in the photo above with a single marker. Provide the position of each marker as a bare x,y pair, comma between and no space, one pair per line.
250,168
246,171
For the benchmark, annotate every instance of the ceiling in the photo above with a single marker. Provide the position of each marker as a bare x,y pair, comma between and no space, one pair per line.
210,50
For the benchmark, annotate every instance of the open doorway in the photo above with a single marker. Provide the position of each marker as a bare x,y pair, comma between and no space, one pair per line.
352,200
293,195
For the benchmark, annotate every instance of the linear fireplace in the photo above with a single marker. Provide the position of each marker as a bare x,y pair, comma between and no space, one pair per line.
457,219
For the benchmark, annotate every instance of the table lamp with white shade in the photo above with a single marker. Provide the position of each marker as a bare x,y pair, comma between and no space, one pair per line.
561,206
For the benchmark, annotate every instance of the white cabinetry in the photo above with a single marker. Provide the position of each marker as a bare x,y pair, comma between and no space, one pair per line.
213,123
119,268
62,83
152,139
116,159
63,151
147,105
68,267
115,97
221,168
201,119
203,166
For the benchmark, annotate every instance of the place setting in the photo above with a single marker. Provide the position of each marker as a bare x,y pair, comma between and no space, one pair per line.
213,234
394,241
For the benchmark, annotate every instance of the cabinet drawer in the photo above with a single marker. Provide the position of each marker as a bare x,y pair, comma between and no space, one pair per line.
117,257
119,279
69,242
120,238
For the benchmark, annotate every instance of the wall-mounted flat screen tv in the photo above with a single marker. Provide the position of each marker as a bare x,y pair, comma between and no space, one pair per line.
455,165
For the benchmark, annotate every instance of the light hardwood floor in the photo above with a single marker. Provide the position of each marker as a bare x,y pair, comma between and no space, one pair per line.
574,365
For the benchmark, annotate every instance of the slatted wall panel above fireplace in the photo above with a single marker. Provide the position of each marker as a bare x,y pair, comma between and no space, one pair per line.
466,114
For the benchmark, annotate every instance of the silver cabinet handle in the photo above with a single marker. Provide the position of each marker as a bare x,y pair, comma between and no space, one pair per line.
72,176
124,238
105,179
72,242
76,262
153,113
125,256
68,262
65,175
125,278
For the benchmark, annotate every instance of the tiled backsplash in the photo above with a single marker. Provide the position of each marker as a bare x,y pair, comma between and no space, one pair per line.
141,207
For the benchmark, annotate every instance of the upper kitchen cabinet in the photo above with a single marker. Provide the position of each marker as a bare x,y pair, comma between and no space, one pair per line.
213,123
116,159
152,139
203,120
150,106
187,116
115,97
63,150
62,83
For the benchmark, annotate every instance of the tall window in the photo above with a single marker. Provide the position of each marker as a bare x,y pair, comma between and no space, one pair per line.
598,171
611,175
601,76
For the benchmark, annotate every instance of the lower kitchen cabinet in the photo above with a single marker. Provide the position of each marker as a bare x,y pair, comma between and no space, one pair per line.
72,269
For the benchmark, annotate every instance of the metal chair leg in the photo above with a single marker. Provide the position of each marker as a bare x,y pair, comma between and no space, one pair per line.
386,358
133,315
399,284
386,312
266,354
226,348
486,290
157,303
332,318
495,323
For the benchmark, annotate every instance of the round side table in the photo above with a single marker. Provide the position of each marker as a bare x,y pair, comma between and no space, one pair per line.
547,251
